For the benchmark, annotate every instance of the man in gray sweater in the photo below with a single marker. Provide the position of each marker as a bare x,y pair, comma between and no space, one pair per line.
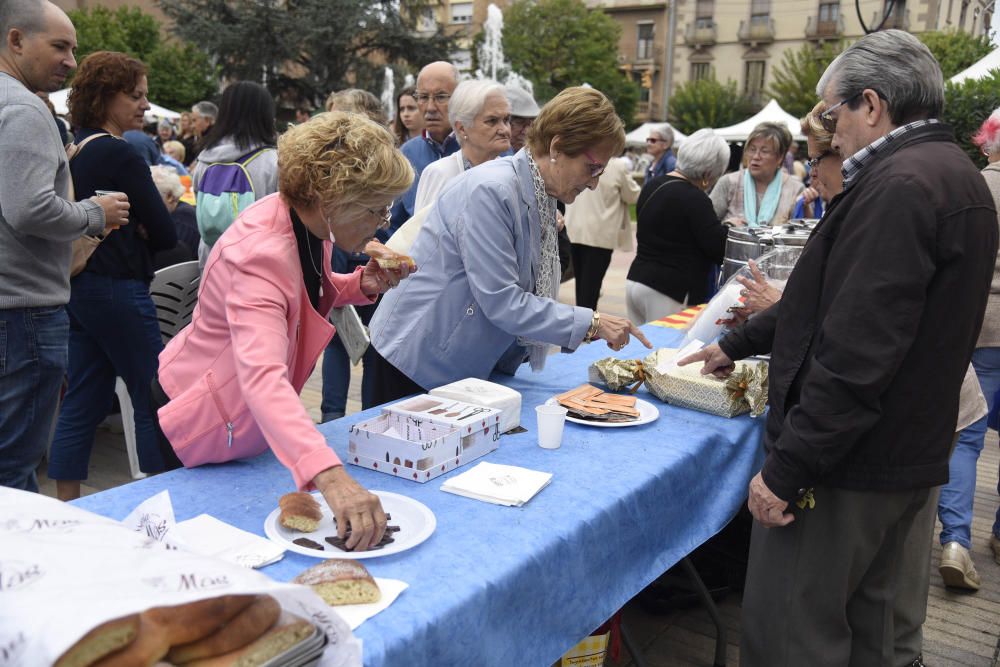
37,228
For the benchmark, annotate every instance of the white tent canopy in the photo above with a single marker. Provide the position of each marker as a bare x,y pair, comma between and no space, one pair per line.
637,137
60,97
979,69
772,113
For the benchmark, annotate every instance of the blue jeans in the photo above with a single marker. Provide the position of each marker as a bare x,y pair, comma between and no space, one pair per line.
33,362
955,503
113,333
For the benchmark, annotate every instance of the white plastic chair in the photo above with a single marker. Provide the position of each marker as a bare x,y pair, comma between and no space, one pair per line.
175,294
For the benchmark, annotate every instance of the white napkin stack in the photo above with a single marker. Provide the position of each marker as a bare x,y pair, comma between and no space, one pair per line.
498,484
206,535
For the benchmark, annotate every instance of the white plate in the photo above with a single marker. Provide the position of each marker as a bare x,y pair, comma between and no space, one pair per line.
415,520
647,413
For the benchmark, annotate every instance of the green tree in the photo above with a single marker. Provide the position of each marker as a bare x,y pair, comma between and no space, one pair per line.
304,49
795,78
955,50
966,106
560,43
708,103
179,74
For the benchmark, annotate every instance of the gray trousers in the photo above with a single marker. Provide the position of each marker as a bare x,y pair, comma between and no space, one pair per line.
844,584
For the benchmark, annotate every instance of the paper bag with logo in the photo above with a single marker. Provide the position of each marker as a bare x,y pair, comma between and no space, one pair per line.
65,571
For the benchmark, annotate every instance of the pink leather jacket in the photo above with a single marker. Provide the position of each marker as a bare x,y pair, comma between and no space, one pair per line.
234,374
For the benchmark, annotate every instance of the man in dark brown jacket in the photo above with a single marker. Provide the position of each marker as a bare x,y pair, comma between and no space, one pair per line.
869,346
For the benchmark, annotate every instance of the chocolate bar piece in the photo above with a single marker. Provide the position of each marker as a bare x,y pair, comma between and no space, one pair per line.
308,544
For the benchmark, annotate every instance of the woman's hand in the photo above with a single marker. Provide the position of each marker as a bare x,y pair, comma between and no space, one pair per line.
809,195
758,293
735,222
375,280
616,331
352,506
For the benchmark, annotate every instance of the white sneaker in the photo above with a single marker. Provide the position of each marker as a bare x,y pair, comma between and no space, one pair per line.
957,568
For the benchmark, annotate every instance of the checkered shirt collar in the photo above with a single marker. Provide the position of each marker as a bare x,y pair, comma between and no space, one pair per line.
854,164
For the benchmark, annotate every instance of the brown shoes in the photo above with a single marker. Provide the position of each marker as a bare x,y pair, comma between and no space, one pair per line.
957,568
995,546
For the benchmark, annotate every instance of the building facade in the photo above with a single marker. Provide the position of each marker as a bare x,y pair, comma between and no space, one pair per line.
664,45
462,19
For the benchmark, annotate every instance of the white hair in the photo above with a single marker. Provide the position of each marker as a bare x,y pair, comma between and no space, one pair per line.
703,156
167,181
469,99
665,131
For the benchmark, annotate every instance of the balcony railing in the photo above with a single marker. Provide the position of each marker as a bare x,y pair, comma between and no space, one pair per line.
700,33
644,56
822,30
895,20
756,31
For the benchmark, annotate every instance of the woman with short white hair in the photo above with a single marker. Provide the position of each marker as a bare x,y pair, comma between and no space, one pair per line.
169,185
659,144
679,237
480,117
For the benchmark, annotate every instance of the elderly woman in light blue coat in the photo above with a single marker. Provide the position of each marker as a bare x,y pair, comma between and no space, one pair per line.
484,298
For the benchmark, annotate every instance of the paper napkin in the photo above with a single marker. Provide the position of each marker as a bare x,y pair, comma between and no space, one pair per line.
498,484
356,614
209,536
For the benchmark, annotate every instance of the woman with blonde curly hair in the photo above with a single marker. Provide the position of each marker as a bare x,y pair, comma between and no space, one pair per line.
486,295
229,383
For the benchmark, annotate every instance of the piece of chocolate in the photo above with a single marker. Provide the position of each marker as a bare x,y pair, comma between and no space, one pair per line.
308,544
392,529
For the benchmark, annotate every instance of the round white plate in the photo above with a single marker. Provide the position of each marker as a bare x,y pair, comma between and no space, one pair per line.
415,520
647,413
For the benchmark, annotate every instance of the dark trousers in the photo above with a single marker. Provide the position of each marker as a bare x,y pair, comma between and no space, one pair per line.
33,362
844,585
113,333
157,399
388,382
337,373
589,266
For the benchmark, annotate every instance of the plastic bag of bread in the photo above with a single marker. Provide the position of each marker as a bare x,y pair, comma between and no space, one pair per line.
81,590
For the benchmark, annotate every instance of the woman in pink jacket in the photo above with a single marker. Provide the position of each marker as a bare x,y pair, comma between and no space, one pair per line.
228,384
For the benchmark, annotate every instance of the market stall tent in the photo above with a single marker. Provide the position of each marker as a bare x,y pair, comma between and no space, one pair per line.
637,137
772,113
60,97
979,69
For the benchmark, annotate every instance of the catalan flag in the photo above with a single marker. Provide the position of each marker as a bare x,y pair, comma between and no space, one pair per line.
681,320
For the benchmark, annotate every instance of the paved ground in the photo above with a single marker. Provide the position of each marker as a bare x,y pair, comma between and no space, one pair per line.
961,629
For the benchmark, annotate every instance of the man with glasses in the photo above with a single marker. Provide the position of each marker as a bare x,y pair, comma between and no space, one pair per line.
869,346
659,144
435,84
523,110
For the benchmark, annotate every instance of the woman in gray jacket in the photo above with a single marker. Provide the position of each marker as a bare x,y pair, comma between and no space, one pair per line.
484,298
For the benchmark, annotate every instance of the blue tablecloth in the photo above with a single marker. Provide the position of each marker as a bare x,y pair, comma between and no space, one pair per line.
516,586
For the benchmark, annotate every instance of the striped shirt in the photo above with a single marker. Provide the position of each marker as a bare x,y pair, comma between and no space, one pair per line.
854,164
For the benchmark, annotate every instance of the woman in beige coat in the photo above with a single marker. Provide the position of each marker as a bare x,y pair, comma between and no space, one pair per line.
597,223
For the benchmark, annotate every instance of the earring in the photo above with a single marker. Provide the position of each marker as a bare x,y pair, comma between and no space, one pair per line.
465,136
552,160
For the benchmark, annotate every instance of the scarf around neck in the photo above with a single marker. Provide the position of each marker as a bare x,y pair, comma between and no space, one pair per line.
768,205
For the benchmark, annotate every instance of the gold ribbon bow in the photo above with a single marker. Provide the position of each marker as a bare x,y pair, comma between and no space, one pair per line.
619,374
750,384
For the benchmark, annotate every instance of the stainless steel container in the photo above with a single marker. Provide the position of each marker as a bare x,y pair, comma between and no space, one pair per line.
744,244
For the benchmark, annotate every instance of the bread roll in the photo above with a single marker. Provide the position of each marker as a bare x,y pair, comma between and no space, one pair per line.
104,639
274,642
299,511
245,627
341,581
386,258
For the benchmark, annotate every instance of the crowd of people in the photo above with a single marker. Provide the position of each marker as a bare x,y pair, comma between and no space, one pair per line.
869,417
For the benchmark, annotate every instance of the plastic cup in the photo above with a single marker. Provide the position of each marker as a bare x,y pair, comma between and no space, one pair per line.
101,193
551,419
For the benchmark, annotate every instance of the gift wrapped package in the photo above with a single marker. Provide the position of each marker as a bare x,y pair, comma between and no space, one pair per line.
743,391
617,374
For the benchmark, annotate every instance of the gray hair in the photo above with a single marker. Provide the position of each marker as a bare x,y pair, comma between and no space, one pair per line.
703,155
469,98
665,131
895,64
28,16
777,133
206,109
167,181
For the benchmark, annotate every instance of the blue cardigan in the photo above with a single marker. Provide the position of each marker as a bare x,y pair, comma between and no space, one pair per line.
460,314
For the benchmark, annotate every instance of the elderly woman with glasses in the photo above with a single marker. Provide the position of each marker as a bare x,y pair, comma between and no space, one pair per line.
485,298
479,114
229,383
760,193
659,144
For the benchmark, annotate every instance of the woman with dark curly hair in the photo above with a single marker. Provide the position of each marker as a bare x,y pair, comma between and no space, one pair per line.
113,327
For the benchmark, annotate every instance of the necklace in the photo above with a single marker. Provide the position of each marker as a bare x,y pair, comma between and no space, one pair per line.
313,262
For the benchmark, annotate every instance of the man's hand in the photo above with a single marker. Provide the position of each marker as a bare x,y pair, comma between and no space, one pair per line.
716,361
766,507
352,506
376,280
616,331
758,293
116,208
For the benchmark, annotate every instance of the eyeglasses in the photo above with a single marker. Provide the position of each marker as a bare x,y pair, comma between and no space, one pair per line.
520,122
654,140
596,168
826,118
763,152
814,162
384,216
439,98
